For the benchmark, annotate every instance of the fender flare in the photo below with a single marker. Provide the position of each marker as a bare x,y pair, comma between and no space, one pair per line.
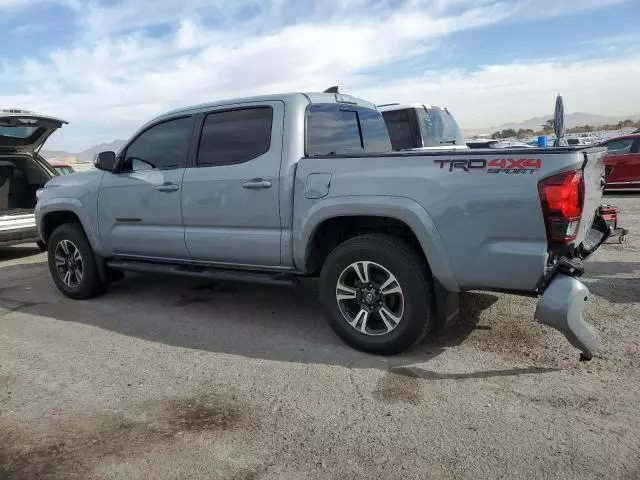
400,208
74,206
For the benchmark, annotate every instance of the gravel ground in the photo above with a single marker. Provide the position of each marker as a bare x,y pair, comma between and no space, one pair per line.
176,378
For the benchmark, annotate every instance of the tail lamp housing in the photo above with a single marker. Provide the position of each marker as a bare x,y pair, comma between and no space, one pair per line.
562,200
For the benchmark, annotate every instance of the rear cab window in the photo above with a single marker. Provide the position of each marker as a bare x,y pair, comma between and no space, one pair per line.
339,129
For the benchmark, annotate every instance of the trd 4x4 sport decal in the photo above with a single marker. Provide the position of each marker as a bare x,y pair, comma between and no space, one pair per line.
524,166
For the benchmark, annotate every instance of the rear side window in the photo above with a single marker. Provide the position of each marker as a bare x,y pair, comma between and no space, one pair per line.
399,126
334,129
235,136
161,147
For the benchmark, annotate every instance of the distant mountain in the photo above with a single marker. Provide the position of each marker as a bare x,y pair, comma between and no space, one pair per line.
86,155
570,120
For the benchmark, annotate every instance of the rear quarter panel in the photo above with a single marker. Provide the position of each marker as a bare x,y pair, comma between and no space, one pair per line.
488,226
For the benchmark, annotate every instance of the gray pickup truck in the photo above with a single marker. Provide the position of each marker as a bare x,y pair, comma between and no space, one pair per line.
271,188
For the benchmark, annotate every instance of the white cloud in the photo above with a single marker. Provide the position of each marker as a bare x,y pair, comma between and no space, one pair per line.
497,94
116,75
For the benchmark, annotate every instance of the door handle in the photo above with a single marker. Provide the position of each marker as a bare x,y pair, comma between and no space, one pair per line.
168,187
257,184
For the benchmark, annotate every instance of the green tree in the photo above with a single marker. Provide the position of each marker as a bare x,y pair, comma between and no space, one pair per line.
525,132
548,126
495,135
508,133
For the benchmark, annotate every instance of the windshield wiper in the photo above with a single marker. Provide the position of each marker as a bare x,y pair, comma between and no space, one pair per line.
450,142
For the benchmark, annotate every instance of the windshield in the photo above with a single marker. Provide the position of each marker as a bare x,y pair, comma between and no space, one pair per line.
439,128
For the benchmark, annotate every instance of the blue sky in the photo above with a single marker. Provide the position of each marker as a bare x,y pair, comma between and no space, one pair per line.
107,66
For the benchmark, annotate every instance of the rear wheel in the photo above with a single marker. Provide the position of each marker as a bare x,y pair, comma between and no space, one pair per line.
376,291
72,264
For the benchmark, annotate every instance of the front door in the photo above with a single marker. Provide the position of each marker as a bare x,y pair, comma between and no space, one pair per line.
230,198
139,211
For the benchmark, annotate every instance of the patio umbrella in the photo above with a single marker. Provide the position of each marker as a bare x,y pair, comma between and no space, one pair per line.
558,123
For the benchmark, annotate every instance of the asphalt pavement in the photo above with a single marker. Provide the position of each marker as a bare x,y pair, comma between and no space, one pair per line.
176,378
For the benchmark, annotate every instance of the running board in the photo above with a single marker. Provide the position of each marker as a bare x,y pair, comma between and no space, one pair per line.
268,278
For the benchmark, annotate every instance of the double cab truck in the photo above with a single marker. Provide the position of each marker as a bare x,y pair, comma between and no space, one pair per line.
275,187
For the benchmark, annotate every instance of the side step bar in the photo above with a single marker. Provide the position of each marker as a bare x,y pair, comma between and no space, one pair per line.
282,279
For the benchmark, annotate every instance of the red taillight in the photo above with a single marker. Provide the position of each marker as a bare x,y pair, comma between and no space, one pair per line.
562,199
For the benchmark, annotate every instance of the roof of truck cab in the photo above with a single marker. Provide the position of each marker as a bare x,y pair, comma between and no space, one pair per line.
303,98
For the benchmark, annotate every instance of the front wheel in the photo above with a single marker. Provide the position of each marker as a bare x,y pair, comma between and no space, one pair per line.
377,294
72,264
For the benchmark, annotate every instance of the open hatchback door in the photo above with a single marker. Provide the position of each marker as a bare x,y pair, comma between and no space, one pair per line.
22,131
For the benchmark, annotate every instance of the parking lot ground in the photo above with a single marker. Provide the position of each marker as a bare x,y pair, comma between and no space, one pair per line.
174,378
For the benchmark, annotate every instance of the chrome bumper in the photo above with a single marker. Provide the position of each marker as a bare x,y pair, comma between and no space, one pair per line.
562,307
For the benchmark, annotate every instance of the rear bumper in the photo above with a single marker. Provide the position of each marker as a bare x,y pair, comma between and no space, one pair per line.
562,307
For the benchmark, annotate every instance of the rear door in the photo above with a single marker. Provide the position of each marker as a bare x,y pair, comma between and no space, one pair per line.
139,206
230,198
624,159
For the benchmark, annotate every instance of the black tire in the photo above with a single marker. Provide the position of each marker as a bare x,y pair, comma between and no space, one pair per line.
412,274
90,284
41,245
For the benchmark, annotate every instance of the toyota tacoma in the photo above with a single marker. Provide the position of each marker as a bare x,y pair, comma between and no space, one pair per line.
271,188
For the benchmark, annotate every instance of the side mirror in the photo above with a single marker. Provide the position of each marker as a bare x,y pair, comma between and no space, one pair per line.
105,161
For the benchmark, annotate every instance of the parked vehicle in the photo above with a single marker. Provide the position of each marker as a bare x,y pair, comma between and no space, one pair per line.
22,172
238,190
623,162
482,143
62,168
581,141
422,127
476,144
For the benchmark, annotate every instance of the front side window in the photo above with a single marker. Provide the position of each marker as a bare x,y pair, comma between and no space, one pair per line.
335,129
235,136
161,147
620,147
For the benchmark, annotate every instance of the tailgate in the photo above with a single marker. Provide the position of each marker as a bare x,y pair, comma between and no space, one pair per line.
594,181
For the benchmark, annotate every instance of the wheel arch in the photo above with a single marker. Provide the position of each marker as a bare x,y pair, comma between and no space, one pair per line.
62,211
381,212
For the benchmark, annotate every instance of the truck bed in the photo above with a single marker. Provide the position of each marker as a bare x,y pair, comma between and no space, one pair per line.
487,221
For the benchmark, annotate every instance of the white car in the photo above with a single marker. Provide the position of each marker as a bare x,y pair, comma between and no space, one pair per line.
422,127
578,141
